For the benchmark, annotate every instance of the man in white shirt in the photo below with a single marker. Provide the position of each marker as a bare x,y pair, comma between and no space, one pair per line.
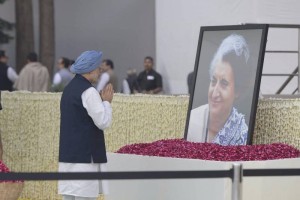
84,115
108,75
7,74
63,76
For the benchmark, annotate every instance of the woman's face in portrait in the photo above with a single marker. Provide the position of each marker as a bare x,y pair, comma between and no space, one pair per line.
221,92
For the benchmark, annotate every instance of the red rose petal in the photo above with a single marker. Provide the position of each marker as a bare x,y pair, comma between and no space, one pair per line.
4,169
180,148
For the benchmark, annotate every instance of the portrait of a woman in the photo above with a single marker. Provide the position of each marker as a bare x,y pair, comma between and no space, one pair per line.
220,121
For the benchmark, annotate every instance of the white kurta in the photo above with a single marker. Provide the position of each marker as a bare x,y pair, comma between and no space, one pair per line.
198,124
101,113
12,75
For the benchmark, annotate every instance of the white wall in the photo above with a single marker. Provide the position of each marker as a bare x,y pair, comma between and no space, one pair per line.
178,25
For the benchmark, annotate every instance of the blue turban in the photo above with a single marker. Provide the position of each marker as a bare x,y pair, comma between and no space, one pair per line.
87,62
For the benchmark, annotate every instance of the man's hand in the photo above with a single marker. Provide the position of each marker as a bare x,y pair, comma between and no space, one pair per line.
107,93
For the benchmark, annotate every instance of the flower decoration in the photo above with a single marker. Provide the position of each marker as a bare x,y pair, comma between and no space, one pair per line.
5,169
180,148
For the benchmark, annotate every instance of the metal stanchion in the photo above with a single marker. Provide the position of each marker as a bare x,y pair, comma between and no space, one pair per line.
237,181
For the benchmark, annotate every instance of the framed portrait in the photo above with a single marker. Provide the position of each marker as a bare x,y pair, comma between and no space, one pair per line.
226,84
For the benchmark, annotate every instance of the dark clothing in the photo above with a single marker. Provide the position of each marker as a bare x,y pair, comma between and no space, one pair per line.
0,101
149,80
132,82
5,83
190,80
80,139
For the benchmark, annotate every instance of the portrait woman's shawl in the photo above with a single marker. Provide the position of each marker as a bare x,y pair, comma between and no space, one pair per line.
234,132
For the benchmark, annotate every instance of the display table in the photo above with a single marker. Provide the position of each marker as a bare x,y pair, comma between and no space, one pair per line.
254,188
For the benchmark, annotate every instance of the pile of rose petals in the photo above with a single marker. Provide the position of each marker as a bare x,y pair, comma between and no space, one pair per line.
4,169
180,148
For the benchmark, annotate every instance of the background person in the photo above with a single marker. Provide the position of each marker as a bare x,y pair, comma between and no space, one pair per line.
63,76
7,74
219,121
190,79
149,81
108,76
34,77
130,82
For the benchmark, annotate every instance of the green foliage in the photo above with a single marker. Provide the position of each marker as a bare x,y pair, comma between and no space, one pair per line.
5,26
4,38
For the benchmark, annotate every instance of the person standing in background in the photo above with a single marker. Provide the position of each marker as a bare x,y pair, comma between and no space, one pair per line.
149,81
63,76
190,79
130,82
34,76
7,74
108,75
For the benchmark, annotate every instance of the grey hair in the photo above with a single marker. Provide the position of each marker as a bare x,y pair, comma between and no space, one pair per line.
232,44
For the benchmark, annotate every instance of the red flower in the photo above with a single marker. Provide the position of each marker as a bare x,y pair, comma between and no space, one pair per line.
4,169
180,148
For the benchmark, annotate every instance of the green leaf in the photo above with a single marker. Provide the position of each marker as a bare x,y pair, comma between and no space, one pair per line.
5,25
4,38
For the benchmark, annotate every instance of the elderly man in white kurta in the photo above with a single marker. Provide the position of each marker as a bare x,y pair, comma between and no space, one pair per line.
84,115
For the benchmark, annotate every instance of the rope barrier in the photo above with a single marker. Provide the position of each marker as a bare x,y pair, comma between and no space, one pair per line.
116,175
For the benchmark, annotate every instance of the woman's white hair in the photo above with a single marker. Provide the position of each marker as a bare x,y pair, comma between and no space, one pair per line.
232,44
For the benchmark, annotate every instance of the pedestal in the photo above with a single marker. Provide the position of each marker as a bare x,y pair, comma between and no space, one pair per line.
258,188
